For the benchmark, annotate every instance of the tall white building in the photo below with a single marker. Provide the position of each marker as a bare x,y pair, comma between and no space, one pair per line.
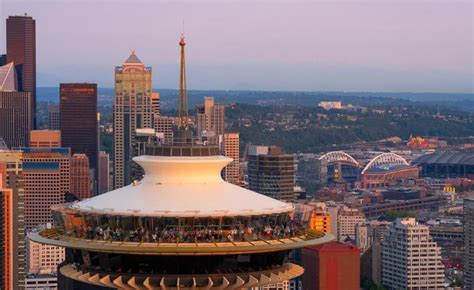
231,150
410,257
469,243
210,120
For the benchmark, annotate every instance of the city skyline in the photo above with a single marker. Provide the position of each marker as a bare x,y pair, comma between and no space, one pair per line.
352,46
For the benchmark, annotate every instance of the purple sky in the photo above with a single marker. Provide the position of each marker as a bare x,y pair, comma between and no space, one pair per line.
375,45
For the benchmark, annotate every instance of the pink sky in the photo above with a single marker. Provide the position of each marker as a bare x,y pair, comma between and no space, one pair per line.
273,45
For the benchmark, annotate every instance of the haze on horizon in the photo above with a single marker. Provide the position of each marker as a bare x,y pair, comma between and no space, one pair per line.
391,46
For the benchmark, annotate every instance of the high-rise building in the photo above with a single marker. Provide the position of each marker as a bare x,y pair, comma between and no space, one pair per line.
45,138
164,128
232,150
331,266
21,50
15,122
469,242
271,172
210,121
8,78
81,181
46,173
104,172
79,120
347,221
155,103
362,237
132,110
12,227
410,257
54,117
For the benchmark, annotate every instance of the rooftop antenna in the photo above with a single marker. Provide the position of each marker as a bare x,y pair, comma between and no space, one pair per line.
183,116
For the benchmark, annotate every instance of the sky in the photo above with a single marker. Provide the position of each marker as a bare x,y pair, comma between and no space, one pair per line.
327,45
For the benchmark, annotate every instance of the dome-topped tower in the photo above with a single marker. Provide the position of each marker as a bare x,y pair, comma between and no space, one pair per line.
181,225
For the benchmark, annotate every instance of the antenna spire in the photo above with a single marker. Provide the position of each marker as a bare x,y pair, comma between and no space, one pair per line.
183,117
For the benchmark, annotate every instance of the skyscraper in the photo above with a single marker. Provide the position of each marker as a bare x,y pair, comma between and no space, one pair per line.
210,120
12,227
469,242
81,182
15,122
104,172
21,50
271,172
132,110
46,173
54,117
410,257
231,150
79,120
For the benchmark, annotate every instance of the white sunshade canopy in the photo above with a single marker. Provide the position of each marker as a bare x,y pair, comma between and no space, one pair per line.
183,187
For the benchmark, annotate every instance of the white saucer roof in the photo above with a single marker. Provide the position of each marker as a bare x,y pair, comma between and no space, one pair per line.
182,187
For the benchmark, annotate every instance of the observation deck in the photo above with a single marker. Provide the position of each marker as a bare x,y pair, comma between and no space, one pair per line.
180,227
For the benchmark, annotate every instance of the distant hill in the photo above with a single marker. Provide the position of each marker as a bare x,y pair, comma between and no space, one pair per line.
169,97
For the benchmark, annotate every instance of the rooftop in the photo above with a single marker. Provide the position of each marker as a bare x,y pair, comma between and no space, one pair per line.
386,168
333,247
447,157
133,59
181,187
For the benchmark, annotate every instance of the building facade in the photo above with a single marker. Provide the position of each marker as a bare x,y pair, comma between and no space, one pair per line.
45,138
232,150
164,128
132,110
15,118
469,242
46,173
271,172
79,120
12,227
41,281
155,103
81,181
347,221
54,117
104,172
410,258
331,266
8,78
21,50
210,121
43,259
